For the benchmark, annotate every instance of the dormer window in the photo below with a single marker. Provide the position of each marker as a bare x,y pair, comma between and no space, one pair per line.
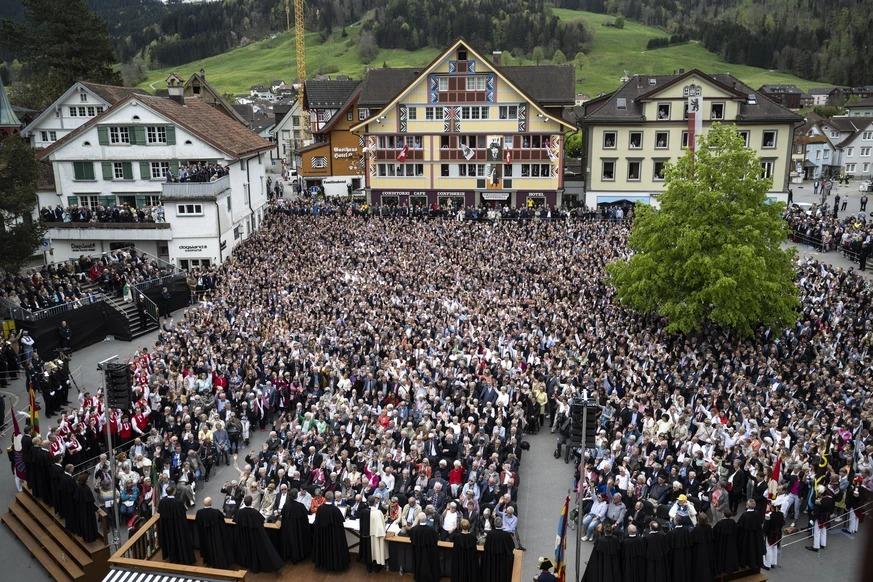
462,54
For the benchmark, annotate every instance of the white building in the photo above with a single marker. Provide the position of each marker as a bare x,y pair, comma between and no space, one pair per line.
857,149
123,155
78,105
287,134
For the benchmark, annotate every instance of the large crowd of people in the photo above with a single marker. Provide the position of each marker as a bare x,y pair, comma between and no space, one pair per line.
116,213
851,235
404,360
197,172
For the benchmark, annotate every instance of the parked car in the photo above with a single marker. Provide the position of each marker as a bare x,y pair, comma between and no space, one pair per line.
866,186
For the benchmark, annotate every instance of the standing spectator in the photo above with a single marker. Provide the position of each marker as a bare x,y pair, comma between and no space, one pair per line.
166,301
66,335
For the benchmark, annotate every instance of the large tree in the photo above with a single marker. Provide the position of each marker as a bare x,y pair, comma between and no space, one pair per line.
711,254
19,234
60,43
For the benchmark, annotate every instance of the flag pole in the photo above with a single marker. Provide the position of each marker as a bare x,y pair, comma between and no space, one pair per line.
113,470
579,491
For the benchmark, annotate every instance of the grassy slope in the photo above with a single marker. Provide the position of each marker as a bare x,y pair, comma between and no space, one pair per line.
613,52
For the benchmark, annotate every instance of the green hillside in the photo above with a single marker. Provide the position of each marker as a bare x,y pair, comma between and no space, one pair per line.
614,51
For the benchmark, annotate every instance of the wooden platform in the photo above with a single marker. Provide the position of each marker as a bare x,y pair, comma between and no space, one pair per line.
65,556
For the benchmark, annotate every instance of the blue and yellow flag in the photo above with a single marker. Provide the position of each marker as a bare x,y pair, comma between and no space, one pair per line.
561,543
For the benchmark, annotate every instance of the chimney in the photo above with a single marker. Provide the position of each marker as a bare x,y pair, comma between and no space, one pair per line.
176,89
495,57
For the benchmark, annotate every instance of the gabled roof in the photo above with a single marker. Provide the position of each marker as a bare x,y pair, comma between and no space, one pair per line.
862,104
7,116
212,126
220,101
109,94
638,89
327,93
845,124
350,102
779,89
545,84
379,84
820,91
861,124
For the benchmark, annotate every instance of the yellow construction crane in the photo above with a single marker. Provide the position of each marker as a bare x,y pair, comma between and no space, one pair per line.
300,44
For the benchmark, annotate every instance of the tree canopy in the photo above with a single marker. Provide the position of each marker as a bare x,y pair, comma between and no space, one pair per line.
60,43
19,234
711,254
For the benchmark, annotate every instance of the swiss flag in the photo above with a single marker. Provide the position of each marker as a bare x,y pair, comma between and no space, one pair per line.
401,155
507,157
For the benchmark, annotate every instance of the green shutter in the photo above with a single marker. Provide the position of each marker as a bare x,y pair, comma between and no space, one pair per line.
174,167
127,170
83,170
145,171
140,201
72,200
89,170
107,170
77,171
107,200
138,135
171,135
103,135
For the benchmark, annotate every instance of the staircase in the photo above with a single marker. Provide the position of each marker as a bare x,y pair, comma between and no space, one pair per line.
65,556
129,310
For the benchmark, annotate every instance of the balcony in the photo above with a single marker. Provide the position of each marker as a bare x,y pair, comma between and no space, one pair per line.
195,190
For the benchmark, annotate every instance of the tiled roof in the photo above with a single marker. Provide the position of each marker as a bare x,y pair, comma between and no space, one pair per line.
606,109
7,116
207,123
858,124
862,104
545,84
112,94
380,86
776,89
820,91
846,123
327,93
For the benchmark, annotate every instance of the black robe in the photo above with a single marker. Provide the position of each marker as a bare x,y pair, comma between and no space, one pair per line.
633,559
725,533
67,488
295,532
254,550
330,551
750,540
56,472
604,564
84,512
773,527
41,467
216,547
465,559
173,533
365,550
498,557
703,553
657,558
681,563
425,553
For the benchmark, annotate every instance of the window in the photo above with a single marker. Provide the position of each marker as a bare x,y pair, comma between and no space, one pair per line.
88,200
850,152
83,111
818,154
433,113
186,264
414,170
158,170
745,135
83,170
717,111
118,170
189,210
507,111
662,140
229,203
635,140
74,112
99,110
465,113
444,170
658,168
850,168
444,83
767,167
318,162
608,174
633,170
684,139
507,170
609,140
49,135
150,199
835,133
156,134
83,97
413,113
91,111
476,83
769,140
663,111
119,134
350,115
867,135
865,168
865,152
363,113
237,232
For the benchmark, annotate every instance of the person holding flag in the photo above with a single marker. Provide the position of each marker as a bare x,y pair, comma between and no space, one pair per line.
34,409
561,543
16,455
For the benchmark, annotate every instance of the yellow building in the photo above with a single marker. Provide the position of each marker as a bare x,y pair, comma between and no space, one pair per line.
465,131
631,134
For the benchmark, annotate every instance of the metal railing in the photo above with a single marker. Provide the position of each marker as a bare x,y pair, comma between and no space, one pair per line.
18,312
195,190
149,306
159,282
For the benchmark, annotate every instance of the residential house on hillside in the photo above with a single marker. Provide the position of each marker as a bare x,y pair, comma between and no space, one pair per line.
820,95
789,96
816,149
857,148
632,133
261,93
862,108
124,156
286,134
465,131
79,104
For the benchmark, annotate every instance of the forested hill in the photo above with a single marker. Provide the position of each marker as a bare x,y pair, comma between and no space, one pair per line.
827,40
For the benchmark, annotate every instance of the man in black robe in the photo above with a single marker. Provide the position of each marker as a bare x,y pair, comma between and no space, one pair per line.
750,537
41,466
680,550
294,530
604,564
365,550
84,509
425,551
175,537
213,533
330,551
633,556
465,557
254,550
725,534
498,556
67,488
702,550
56,471
657,555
